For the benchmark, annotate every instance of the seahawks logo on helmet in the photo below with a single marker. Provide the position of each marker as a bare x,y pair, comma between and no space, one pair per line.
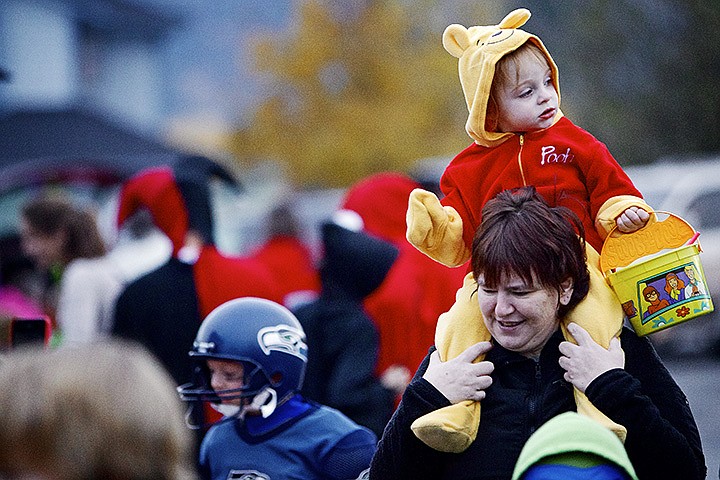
283,338
246,475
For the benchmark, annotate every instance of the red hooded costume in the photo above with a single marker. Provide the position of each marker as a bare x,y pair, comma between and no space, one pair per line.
289,260
163,309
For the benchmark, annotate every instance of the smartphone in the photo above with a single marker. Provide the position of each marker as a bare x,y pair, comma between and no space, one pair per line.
30,331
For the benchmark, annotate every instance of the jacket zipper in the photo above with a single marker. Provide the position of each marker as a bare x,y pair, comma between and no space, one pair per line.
534,397
519,159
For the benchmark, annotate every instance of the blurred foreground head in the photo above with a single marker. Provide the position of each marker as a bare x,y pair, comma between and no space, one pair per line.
101,411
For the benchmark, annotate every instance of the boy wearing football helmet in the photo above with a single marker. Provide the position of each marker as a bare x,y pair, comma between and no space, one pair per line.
252,356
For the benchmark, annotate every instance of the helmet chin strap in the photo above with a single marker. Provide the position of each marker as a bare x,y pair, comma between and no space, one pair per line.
226,409
264,402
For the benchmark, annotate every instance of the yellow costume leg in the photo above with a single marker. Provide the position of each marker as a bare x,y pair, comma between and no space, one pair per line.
454,428
601,314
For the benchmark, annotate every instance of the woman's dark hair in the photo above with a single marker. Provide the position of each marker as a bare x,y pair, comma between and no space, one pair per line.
51,215
522,235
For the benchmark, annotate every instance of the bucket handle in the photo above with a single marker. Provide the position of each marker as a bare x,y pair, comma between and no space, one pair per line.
621,249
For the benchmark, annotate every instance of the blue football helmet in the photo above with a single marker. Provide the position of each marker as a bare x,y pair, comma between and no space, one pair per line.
264,336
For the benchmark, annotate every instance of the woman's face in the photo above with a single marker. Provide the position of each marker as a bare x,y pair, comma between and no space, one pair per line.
226,375
45,250
521,317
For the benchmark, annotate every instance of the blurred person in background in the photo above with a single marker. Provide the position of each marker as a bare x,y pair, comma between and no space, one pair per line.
251,354
164,308
18,294
416,290
63,240
14,301
107,410
342,339
288,259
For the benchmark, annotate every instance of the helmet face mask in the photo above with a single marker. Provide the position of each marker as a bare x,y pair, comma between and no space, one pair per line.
265,338
254,381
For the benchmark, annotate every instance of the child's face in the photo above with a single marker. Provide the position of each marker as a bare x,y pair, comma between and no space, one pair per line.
226,375
531,103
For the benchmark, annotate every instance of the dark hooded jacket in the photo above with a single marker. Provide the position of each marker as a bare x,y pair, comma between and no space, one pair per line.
417,289
342,339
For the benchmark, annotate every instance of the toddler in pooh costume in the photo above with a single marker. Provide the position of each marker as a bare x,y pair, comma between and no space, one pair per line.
520,138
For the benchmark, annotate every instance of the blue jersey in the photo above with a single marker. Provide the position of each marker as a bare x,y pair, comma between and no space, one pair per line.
300,440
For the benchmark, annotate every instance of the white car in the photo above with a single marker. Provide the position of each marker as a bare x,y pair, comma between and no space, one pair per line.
690,190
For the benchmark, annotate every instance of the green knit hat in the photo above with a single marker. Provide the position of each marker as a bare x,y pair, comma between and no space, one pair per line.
572,439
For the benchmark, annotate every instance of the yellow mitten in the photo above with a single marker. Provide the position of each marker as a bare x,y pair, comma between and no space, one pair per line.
435,230
454,428
613,207
601,314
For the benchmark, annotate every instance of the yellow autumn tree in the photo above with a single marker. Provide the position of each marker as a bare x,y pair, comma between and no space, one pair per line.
356,96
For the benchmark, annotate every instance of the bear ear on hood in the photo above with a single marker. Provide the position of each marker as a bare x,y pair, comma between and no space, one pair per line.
456,40
515,19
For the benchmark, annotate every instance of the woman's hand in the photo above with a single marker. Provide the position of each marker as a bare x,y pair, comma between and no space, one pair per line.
587,360
459,379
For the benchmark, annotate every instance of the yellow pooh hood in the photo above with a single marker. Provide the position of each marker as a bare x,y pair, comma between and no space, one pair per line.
478,49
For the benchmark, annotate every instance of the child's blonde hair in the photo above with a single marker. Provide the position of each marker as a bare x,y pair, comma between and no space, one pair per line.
506,71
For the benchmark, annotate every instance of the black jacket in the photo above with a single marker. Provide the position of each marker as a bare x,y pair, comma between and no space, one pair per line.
662,441
160,310
342,339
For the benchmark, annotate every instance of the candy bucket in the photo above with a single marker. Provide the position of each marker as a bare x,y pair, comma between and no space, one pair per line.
656,273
